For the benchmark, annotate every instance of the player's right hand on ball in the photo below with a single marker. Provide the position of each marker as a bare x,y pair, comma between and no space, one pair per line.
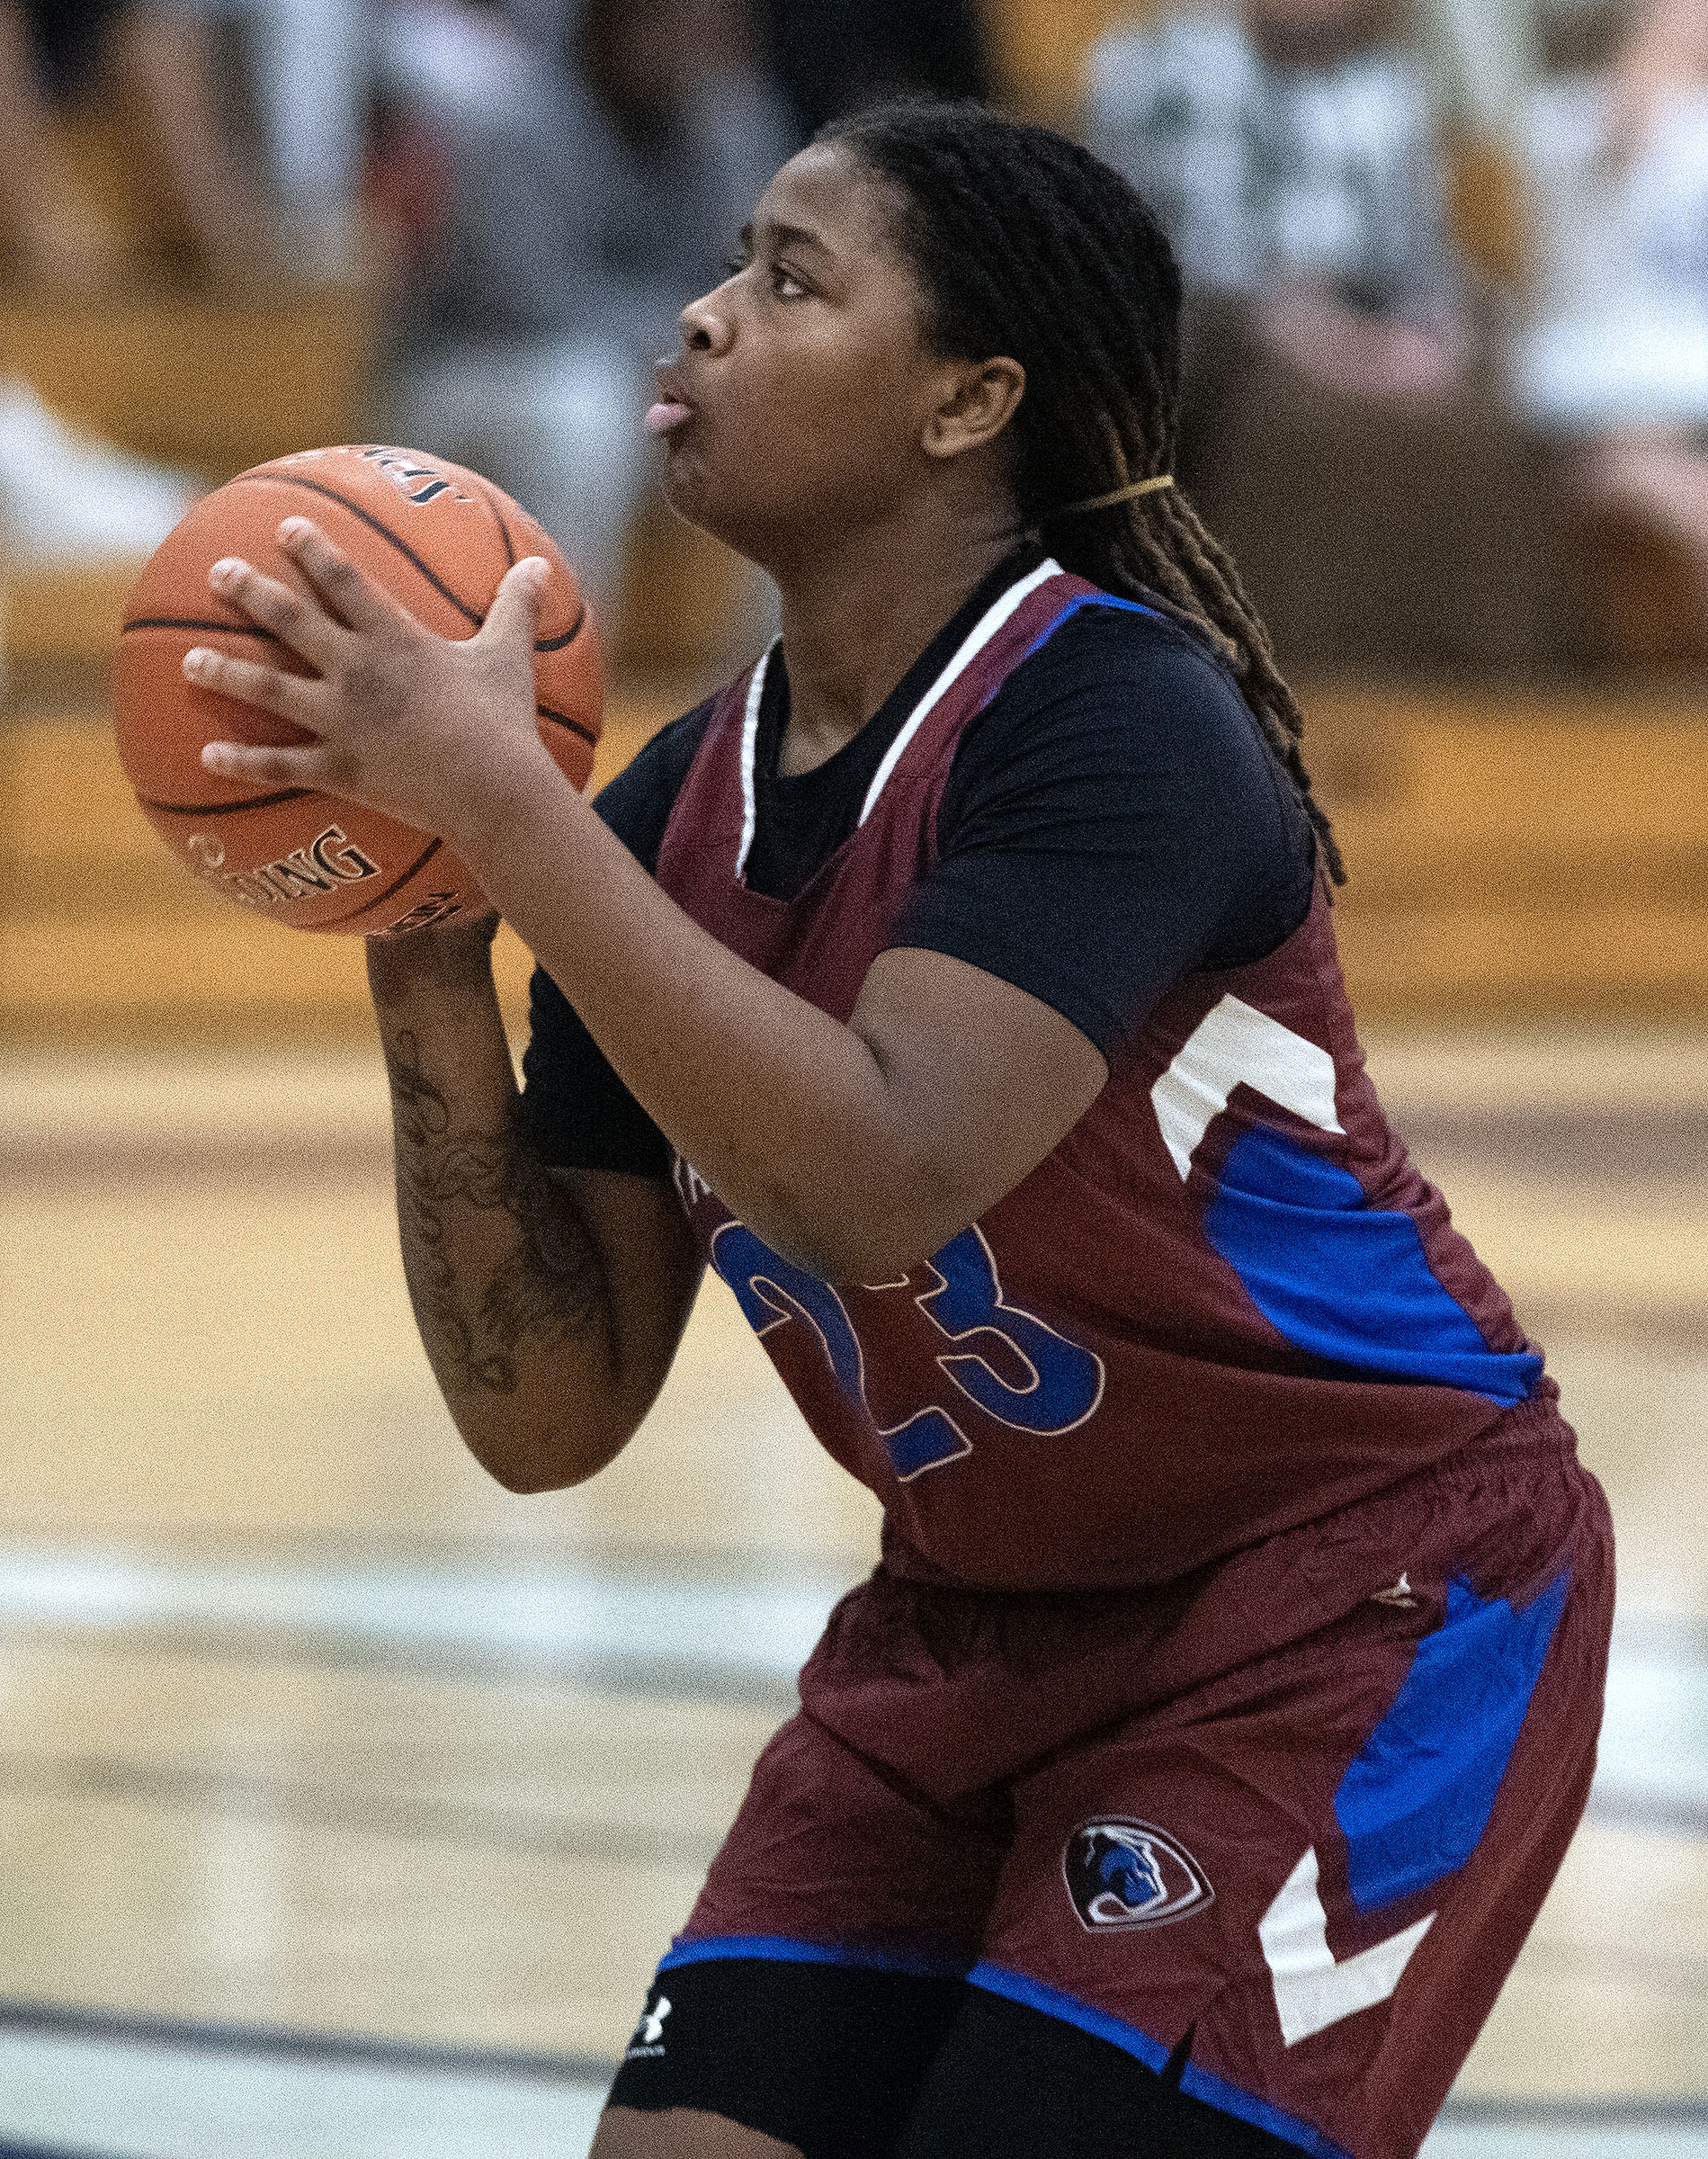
437,731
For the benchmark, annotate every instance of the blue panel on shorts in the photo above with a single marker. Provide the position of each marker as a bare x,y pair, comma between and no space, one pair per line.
1015,1986
1345,1281
1228,2099
1417,1800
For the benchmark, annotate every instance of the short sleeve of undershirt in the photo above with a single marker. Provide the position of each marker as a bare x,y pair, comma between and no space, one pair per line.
1113,820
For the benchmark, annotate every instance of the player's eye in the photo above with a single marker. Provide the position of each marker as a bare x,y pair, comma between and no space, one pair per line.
784,282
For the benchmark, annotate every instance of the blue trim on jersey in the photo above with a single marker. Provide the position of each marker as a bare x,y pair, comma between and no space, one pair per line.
1415,1801
1079,600
782,1949
1345,1281
1199,2083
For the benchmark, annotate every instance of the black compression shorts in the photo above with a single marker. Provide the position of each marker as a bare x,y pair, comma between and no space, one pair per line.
849,2064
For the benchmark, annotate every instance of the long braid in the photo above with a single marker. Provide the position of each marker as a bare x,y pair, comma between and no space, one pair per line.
1026,244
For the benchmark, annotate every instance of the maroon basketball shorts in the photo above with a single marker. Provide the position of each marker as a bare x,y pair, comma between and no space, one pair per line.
1287,1822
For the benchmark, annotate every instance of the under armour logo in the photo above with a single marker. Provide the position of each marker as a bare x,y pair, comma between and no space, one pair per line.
1401,1596
649,2032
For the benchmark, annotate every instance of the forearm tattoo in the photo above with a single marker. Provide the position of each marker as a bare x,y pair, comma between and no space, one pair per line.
550,1289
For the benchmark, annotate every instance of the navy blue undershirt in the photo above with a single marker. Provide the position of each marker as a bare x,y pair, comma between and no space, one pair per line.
1112,820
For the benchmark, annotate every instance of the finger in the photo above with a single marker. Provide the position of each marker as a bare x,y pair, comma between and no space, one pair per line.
515,613
294,619
294,697
335,577
273,762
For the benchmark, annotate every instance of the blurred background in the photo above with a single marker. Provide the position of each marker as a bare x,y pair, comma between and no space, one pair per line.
347,1800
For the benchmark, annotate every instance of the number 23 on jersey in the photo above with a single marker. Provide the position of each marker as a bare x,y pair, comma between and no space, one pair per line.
1042,1384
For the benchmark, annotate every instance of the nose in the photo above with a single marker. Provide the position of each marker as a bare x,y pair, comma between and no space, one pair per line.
707,325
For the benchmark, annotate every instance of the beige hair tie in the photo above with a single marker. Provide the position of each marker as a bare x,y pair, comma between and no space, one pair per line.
1126,494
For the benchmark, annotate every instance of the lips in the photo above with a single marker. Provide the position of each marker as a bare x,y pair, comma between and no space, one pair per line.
671,409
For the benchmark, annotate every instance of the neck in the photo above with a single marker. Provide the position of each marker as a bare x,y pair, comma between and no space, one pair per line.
853,622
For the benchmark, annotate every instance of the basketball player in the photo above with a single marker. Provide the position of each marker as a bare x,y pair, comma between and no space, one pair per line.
960,984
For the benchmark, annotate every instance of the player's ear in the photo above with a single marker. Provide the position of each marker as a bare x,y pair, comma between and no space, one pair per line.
979,400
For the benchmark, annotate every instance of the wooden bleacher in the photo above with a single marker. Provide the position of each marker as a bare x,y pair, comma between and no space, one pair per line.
1520,852
212,382
1523,854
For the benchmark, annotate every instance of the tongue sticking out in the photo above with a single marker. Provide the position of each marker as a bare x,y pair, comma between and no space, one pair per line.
665,416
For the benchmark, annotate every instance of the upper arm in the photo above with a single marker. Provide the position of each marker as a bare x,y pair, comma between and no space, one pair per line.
578,1112
600,1147
983,1081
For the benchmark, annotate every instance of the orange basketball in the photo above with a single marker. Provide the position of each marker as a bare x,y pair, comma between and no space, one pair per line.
435,536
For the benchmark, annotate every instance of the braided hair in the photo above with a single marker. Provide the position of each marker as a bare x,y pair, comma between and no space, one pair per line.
1024,244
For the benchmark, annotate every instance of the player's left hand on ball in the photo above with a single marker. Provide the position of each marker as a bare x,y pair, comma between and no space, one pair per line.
405,720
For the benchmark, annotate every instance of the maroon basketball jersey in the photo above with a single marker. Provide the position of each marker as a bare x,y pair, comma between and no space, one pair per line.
1225,1304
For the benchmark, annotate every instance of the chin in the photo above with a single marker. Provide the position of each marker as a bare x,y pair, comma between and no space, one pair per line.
684,484
698,497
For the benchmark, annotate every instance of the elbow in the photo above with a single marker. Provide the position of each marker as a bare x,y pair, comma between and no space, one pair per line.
529,1462
870,1222
526,1479
867,1246
849,1258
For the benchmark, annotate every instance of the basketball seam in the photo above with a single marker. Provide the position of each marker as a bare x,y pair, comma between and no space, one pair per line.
187,622
556,644
503,529
253,802
314,487
563,720
375,524
491,497
379,899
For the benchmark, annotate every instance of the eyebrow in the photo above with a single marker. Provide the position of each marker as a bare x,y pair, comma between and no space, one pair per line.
787,235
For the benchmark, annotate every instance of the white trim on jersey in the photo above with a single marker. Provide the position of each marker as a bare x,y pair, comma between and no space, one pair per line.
977,638
1233,1045
749,751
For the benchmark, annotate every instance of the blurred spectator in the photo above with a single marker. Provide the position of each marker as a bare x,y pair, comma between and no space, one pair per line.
303,71
831,55
1617,355
597,179
50,235
56,56
309,66
1292,153
65,497
1342,433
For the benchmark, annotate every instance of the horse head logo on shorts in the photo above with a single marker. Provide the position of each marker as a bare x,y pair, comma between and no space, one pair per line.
1130,1874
